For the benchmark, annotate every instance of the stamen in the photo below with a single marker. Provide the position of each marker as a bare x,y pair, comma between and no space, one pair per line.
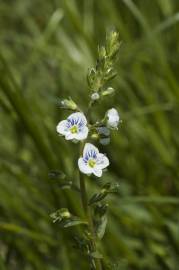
74,129
91,163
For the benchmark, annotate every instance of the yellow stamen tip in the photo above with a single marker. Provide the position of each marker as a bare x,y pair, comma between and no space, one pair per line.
92,163
74,129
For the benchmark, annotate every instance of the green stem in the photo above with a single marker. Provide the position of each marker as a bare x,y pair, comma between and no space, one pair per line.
87,212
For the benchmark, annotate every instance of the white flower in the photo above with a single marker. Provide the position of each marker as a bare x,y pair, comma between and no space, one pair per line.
92,161
112,118
74,128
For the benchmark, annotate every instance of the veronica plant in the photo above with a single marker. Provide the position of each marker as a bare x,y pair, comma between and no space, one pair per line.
78,127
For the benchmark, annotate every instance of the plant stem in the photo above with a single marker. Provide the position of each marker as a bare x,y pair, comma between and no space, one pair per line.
87,212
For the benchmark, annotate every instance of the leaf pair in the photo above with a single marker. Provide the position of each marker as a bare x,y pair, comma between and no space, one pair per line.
106,189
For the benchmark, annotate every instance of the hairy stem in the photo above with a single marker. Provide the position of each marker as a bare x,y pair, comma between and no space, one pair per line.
87,212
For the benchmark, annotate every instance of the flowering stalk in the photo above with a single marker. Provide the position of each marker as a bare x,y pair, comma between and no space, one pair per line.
87,211
86,208
78,127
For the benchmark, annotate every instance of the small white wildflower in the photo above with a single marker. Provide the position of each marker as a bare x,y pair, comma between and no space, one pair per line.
92,161
74,128
112,118
95,96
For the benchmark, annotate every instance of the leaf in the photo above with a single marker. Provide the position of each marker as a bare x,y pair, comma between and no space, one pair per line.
68,185
114,188
19,230
101,227
100,209
91,77
81,243
72,222
55,174
98,197
96,255
106,189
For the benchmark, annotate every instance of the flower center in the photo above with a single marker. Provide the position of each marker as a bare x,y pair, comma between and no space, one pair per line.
74,129
92,163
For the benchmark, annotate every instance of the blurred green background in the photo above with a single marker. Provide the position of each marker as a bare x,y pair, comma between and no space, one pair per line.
46,48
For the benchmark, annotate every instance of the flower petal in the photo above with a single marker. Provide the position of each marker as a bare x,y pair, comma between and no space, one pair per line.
82,134
113,113
62,127
113,118
69,136
77,118
97,171
102,161
90,150
84,168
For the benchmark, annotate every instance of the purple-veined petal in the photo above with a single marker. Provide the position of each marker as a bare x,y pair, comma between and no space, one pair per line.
90,151
84,168
78,119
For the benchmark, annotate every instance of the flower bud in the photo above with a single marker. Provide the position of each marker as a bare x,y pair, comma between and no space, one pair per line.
95,96
68,104
95,136
108,91
101,52
112,118
65,214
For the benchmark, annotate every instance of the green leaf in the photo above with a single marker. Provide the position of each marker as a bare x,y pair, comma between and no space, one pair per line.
101,226
98,197
100,209
96,255
55,174
74,221
106,189
112,43
68,185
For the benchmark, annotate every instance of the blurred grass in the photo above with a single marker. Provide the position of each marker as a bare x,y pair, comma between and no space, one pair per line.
46,48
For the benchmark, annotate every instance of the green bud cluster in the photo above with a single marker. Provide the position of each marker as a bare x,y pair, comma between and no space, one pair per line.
104,70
